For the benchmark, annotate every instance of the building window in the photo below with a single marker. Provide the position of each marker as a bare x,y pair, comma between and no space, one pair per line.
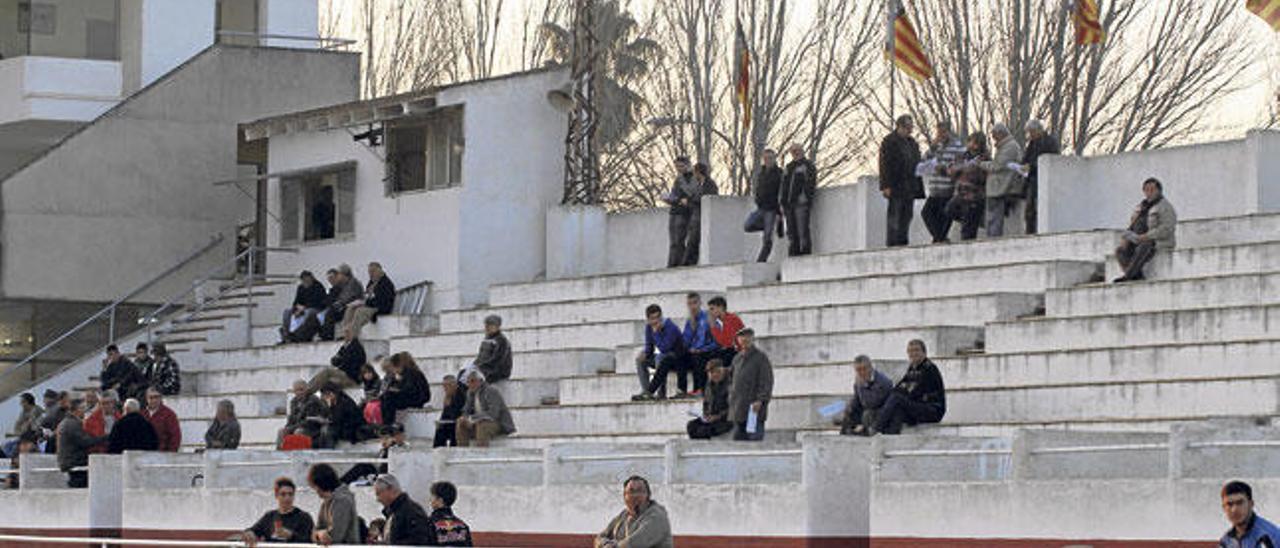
425,153
319,205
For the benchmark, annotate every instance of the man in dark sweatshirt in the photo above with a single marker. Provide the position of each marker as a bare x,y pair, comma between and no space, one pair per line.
494,359
766,192
919,397
799,187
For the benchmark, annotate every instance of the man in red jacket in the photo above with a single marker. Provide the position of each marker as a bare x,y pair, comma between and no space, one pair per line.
165,421
103,418
724,329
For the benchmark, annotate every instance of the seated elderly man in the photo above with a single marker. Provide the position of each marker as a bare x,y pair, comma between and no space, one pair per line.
643,524
871,389
1152,228
485,416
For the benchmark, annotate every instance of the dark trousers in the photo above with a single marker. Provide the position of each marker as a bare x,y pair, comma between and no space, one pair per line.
858,416
1030,216
725,355
969,214
799,240
360,471
1134,257
899,409
936,218
446,435
677,233
766,243
740,431
305,333
898,221
693,239
657,385
699,430
78,480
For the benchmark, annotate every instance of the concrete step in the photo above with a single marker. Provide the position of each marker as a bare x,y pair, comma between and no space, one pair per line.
1028,277
244,379
651,417
1075,246
387,327
1158,295
604,335
263,402
841,347
612,309
632,283
972,310
1208,261
545,364
1146,328
316,353
1264,227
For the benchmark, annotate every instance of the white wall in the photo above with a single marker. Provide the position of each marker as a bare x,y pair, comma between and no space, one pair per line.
1207,180
51,88
172,32
290,18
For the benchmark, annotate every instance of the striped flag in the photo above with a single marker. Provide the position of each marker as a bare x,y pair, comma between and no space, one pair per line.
1268,10
1089,23
742,61
902,45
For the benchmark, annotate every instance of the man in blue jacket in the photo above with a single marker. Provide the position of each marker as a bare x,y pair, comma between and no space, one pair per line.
702,347
665,349
1248,530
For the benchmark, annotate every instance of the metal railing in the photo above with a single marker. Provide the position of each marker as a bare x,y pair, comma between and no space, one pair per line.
109,311
322,42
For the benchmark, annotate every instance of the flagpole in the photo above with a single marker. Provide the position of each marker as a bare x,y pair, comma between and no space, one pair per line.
890,14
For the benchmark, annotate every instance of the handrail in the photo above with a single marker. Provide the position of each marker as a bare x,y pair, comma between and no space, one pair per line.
208,275
1234,443
111,308
1099,449
325,42
618,456
946,452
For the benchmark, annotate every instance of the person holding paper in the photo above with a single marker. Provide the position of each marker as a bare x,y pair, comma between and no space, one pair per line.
945,150
1151,229
871,389
1004,182
715,405
899,154
919,397
752,389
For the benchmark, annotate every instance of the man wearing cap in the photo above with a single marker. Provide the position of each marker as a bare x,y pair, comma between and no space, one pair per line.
407,523
752,389
494,359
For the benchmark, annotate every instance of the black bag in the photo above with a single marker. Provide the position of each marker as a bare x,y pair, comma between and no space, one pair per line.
754,222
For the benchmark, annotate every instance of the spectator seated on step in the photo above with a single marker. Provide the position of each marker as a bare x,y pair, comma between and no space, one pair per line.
871,388
344,289
391,438
346,363
342,420
725,326
164,421
379,297
918,398
55,409
118,373
403,386
163,373
142,361
28,443
1152,228
28,421
133,432
494,358
303,405
643,523
224,429
702,347
370,382
665,350
299,323
485,416
287,523
103,418
715,405
455,398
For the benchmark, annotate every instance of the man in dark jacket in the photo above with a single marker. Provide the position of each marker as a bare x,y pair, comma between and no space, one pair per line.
752,389
799,186
455,399
899,154
118,373
133,432
406,387
308,300
919,397
344,289
870,391
74,445
345,370
343,416
407,522
767,194
446,528
379,298
679,198
302,405
1039,143
494,359
715,405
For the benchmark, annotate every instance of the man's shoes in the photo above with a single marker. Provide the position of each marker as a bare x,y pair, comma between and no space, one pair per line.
643,396
682,395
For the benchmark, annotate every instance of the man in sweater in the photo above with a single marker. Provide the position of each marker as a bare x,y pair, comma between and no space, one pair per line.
1153,227
702,347
799,187
752,389
725,326
494,359
664,349
485,416
945,150
379,298
286,524
164,421
767,192
871,389
899,154
74,444
919,397
715,405
337,522
642,524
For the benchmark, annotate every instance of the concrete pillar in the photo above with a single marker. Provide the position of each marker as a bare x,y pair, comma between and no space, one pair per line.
1178,439
106,492
1264,168
837,481
289,18
1021,455
721,231
576,241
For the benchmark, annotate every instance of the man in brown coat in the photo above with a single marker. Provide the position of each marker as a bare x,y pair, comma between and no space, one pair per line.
752,389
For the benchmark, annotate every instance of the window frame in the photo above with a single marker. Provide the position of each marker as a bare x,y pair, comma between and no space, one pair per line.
453,120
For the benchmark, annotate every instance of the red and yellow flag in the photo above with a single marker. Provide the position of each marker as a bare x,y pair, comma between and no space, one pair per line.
903,46
1268,10
1088,23
742,61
